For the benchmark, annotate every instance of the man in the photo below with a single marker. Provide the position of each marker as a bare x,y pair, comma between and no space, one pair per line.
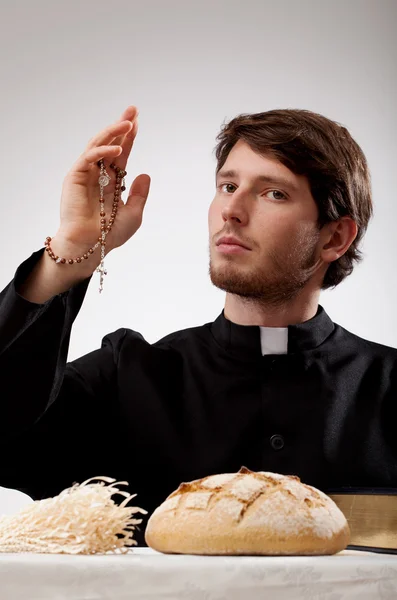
272,384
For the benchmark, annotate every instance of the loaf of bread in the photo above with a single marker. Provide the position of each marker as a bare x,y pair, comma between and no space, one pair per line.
248,513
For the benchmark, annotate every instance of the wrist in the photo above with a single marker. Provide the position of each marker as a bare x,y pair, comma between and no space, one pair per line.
65,251
68,261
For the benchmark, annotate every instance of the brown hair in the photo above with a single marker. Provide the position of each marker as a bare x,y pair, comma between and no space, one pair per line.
324,151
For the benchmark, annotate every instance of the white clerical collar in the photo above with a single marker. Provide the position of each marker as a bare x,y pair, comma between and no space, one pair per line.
274,340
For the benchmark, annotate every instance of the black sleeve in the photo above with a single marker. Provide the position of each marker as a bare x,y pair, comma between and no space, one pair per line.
388,414
52,414
34,341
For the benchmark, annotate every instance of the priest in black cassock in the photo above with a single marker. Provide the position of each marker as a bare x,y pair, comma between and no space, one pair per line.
272,383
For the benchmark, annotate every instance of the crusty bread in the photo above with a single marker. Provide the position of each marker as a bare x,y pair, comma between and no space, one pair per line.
248,513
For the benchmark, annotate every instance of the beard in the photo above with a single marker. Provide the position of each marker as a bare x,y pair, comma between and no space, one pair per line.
285,274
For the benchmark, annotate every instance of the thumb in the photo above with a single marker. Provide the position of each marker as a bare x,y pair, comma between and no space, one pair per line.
139,192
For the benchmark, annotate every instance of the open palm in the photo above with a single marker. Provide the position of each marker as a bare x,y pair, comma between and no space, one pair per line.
80,219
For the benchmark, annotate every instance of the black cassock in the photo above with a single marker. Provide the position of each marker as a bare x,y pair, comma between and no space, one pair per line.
198,402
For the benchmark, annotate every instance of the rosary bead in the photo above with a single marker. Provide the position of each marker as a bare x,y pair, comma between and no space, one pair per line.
105,229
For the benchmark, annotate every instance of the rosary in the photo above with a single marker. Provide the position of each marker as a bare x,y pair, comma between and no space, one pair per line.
104,180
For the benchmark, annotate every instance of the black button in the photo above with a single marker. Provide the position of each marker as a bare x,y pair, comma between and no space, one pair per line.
277,442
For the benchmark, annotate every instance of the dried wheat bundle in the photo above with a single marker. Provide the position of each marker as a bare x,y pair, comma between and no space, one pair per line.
82,519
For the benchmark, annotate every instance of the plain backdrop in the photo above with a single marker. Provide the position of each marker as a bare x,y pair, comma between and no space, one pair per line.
68,69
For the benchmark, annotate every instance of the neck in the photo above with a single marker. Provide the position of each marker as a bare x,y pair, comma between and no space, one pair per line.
245,311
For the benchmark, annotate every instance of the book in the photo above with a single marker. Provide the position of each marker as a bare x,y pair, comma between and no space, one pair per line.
372,517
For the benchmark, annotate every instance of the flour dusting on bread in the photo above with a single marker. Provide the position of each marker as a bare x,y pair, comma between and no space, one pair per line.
248,513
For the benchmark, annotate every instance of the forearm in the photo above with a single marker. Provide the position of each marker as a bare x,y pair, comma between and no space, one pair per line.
34,341
49,278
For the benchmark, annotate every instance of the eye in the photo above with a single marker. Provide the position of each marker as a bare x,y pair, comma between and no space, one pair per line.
277,195
227,184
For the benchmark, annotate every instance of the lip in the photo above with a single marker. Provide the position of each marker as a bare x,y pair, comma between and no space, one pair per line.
231,245
231,249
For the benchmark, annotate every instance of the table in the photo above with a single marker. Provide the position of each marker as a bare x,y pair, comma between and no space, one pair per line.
146,574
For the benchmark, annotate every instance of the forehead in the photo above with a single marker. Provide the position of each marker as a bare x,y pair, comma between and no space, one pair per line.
249,164
242,152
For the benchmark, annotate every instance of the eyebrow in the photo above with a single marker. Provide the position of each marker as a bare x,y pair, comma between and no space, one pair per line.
265,178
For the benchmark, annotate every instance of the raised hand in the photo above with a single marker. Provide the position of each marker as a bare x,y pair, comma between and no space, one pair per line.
80,219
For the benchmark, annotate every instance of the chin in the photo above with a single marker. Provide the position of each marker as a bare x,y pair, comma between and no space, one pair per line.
230,277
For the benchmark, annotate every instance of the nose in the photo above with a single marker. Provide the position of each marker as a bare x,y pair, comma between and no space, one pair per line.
235,209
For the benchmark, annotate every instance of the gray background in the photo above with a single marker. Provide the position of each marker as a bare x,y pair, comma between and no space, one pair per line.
68,69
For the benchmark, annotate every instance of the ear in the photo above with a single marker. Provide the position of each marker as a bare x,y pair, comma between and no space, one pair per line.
337,236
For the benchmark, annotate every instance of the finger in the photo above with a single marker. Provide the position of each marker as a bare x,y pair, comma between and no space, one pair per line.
127,144
130,114
91,157
109,134
139,192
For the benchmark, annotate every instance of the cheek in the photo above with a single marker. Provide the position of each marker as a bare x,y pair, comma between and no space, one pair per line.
282,232
276,229
214,217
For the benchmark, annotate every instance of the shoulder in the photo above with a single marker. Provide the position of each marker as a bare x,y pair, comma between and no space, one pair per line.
353,341
190,335
130,337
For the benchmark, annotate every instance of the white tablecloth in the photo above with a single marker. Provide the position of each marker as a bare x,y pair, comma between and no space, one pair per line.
146,574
